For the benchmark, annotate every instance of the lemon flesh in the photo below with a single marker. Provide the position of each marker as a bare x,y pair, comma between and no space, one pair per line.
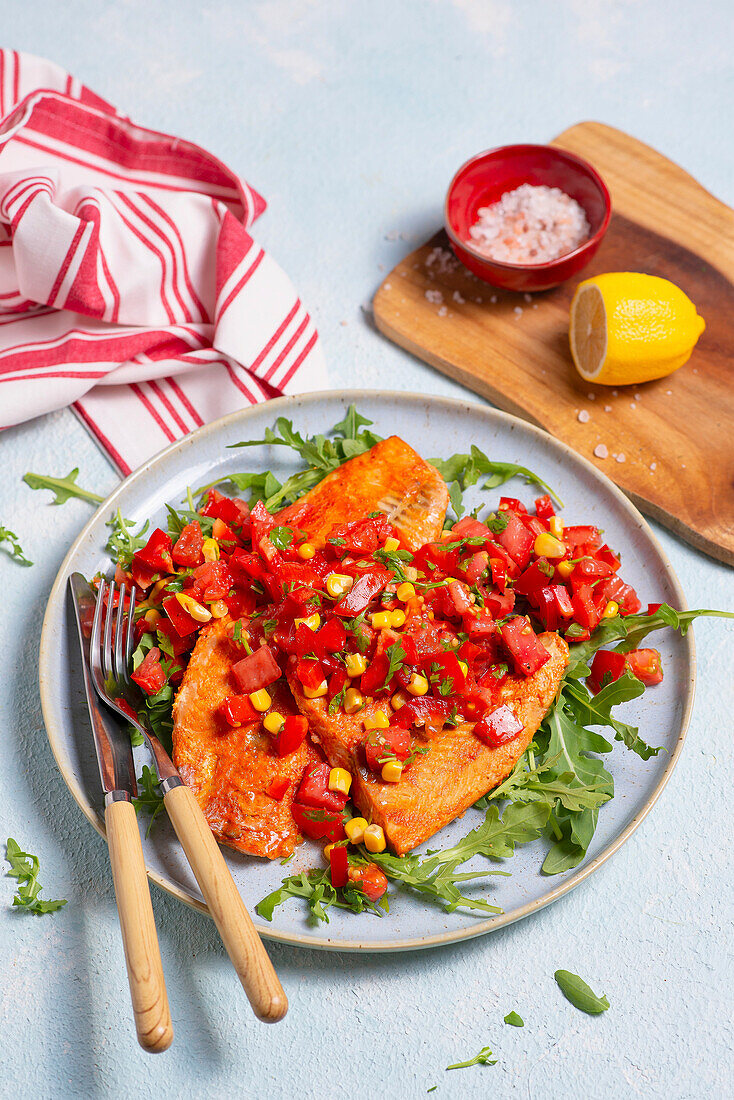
627,328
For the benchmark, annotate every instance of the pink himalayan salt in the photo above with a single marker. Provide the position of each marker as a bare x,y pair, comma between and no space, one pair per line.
530,225
601,450
584,416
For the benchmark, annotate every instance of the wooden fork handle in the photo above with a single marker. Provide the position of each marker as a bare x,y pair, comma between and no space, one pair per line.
142,954
244,946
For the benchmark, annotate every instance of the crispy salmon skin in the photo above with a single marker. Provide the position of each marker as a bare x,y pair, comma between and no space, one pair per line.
229,770
391,478
457,769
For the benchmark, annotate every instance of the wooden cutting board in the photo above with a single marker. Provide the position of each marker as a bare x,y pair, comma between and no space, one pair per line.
673,439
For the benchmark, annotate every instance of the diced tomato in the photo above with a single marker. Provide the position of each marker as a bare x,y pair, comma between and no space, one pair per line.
470,528
421,710
310,673
528,654
581,536
337,682
534,525
305,641
261,522
224,534
237,710
142,574
317,823
480,625
535,577
623,594
499,573
379,744
314,789
362,591
257,670
245,566
512,504
188,550
182,621
585,610
476,566
460,597
446,667
371,880
547,609
339,866
544,507
652,608
607,664
563,601
331,638
435,554
410,648
211,581
240,602
473,706
291,735
178,644
149,675
360,536
608,557
498,604
277,787
157,552
646,665
374,677
497,728
589,569
517,540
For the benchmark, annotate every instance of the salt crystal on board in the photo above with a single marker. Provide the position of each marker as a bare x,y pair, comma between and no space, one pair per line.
584,416
518,312
434,296
601,450
607,408
528,297
620,457
591,396
442,311
458,298
493,299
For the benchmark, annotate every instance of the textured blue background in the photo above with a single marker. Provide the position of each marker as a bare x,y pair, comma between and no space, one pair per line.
351,118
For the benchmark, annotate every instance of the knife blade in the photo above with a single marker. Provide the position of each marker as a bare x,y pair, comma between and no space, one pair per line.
111,743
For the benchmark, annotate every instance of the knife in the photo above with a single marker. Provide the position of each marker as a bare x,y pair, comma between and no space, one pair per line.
117,774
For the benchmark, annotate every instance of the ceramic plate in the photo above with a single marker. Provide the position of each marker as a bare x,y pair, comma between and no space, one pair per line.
435,427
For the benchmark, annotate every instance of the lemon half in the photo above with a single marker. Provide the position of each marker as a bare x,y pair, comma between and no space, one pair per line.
628,328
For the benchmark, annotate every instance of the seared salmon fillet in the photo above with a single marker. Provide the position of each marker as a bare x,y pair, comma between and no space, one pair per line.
389,478
458,768
229,770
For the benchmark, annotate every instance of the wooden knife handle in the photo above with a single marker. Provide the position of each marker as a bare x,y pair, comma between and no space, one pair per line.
244,946
139,938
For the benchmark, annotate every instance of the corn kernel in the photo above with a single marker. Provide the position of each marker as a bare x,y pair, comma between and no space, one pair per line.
356,664
374,839
313,622
611,610
210,550
417,685
353,700
327,852
355,829
378,721
380,620
337,584
218,609
548,546
260,700
464,667
306,551
392,544
406,591
566,568
273,722
411,572
195,610
340,780
397,618
316,693
392,771
398,700
152,617
555,526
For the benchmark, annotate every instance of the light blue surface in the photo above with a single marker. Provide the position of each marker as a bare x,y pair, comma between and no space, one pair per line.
351,120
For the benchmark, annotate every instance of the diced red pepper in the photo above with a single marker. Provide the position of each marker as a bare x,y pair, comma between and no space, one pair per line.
257,670
499,573
371,880
646,665
231,509
362,591
337,682
142,574
459,595
373,677
237,710
534,525
536,576
585,610
260,523
211,581
149,675
379,744
528,654
608,557
517,540
547,609
178,644
607,664
317,823
497,728
246,566
446,667
331,638
544,507
563,601
314,790
339,866
224,534
652,608
291,735
157,552
581,536
182,621
188,550
512,504
421,710
310,673
277,787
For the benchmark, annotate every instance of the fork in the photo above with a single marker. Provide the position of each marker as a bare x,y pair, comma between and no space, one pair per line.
111,657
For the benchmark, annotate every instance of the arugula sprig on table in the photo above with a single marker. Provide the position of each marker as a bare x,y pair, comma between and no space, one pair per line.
13,547
63,488
24,867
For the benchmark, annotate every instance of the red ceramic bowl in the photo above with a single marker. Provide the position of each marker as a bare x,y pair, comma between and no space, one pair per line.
486,177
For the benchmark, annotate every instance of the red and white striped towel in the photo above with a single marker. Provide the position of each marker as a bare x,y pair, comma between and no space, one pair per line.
129,284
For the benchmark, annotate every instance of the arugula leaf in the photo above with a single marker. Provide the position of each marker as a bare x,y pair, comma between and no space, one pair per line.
581,996
24,867
393,560
514,1020
463,470
497,522
596,710
14,549
123,541
178,518
316,889
150,801
64,488
484,1058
